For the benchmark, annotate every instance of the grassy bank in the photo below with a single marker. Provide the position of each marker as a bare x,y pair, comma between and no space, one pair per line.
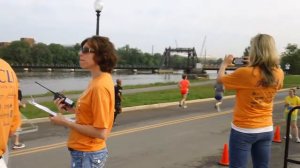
157,84
292,81
170,95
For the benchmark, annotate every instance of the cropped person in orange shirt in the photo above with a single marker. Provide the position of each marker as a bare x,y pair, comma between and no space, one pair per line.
10,118
183,85
94,109
256,86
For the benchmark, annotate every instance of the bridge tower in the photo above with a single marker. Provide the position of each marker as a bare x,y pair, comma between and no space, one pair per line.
191,61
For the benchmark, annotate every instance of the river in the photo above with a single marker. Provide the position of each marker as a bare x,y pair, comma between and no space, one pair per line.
60,81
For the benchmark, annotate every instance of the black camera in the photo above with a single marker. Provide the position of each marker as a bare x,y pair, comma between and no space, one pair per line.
66,101
240,61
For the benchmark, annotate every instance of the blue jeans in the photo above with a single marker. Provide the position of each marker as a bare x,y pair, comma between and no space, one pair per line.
240,145
95,159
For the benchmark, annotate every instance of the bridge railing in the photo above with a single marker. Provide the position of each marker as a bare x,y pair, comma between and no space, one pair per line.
74,66
287,140
127,66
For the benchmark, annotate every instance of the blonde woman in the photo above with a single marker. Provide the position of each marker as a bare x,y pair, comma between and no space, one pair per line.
256,86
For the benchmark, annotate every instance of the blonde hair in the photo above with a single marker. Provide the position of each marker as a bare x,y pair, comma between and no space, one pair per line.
263,54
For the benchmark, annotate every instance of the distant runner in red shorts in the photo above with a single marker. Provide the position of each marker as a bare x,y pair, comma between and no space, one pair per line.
184,85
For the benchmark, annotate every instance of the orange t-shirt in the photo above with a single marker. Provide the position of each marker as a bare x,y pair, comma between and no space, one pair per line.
95,107
10,118
184,86
254,104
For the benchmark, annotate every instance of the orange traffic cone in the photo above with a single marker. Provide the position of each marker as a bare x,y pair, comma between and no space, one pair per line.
277,137
225,157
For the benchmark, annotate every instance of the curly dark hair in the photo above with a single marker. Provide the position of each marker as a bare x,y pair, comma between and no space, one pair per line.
105,53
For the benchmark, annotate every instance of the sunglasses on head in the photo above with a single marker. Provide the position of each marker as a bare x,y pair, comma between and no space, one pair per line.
86,50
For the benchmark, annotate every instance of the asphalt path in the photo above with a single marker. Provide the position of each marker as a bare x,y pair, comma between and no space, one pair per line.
160,136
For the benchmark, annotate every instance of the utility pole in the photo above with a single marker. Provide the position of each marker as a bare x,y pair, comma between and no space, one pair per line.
201,51
152,50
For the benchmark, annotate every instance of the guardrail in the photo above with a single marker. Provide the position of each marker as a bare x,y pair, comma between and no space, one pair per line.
62,66
286,150
27,126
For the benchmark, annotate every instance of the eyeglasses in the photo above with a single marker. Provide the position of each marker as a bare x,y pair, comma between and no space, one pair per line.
86,50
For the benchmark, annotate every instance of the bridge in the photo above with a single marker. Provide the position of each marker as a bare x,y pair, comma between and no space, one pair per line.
191,55
67,66
153,69
216,67
166,66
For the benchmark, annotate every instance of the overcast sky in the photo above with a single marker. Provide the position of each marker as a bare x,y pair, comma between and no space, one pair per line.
227,24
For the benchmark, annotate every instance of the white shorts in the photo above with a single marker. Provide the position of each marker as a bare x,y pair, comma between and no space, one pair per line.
2,163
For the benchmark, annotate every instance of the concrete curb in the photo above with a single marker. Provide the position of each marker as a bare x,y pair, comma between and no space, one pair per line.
160,105
128,109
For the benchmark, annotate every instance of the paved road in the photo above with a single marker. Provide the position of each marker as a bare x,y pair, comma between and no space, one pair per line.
163,137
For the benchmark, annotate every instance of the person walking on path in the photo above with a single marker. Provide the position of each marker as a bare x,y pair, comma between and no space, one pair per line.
94,110
256,86
118,99
292,101
183,85
219,92
10,118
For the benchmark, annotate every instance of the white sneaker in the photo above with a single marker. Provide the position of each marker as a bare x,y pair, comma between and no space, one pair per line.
217,106
297,140
184,106
18,146
291,137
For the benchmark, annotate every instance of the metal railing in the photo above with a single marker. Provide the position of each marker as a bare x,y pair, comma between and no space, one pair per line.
286,150
27,126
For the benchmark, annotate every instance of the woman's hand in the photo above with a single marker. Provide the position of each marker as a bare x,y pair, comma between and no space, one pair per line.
70,109
60,106
59,120
228,60
246,60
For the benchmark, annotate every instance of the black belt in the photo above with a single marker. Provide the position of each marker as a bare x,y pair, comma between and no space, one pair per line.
70,149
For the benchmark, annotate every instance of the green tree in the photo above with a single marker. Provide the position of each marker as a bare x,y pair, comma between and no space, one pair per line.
40,54
59,53
123,55
178,61
73,54
18,52
291,56
291,49
130,56
157,59
3,52
76,47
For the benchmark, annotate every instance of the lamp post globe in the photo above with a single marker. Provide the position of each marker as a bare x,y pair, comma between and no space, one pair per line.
98,5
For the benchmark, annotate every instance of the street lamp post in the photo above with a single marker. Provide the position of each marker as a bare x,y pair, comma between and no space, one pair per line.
98,8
